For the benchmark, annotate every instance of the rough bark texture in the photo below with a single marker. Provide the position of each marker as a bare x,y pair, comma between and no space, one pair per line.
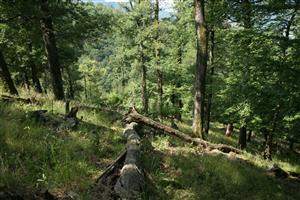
134,116
243,138
104,187
34,72
144,79
157,62
6,77
249,136
201,65
51,51
212,68
131,183
229,130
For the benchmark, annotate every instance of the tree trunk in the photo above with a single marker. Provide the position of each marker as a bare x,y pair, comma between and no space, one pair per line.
26,82
144,79
157,62
134,116
9,85
291,145
268,147
209,98
249,136
243,138
70,92
200,72
34,72
229,130
51,51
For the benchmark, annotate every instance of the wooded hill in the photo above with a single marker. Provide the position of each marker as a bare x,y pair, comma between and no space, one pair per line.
213,88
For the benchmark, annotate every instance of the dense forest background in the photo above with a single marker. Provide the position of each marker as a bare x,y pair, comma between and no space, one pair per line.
235,63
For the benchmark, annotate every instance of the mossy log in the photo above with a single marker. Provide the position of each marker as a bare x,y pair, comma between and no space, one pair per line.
134,116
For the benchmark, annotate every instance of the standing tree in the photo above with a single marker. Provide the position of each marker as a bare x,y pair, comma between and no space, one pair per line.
6,77
51,50
157,60
201,65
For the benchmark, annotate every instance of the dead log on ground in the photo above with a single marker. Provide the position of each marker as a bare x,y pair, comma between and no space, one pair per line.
131,183
104,187
9,99
60,122
134,116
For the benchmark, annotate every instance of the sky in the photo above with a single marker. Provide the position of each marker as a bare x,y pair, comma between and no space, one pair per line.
165,4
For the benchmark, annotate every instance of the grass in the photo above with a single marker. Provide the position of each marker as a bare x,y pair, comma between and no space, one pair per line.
181,172
36,158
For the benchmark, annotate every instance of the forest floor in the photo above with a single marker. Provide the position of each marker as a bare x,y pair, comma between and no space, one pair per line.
35,158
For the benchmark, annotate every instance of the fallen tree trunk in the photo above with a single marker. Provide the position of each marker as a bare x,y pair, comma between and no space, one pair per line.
134,116
131,183
6,98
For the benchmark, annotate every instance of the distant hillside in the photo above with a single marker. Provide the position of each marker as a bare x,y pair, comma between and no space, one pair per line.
116,4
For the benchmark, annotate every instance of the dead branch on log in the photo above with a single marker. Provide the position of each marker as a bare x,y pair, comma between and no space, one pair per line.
134,116
73,113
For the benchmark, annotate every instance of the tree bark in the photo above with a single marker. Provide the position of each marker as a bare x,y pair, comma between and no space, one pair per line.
9,85
209,98
70,91
200,72
25,79
267,154
34,72
131,183
243,138
134,116
229,130
157,62
51,50
144,79
249,136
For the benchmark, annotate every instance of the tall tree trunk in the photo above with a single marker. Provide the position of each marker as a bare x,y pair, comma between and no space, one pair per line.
85,89
9,85
267,154
51,51
26,82
209,98
144,79
34,72
249,136
243,138
70,93
157,62
200,72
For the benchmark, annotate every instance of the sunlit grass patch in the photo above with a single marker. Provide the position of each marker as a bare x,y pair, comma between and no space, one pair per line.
181,172
35,157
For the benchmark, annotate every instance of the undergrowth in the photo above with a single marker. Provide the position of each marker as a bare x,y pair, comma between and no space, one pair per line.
35,158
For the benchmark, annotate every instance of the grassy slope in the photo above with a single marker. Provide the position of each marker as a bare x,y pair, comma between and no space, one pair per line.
34,158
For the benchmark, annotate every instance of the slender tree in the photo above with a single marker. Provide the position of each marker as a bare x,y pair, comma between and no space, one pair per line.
157,61
212,69
51,50
34,72
201,65
6,77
